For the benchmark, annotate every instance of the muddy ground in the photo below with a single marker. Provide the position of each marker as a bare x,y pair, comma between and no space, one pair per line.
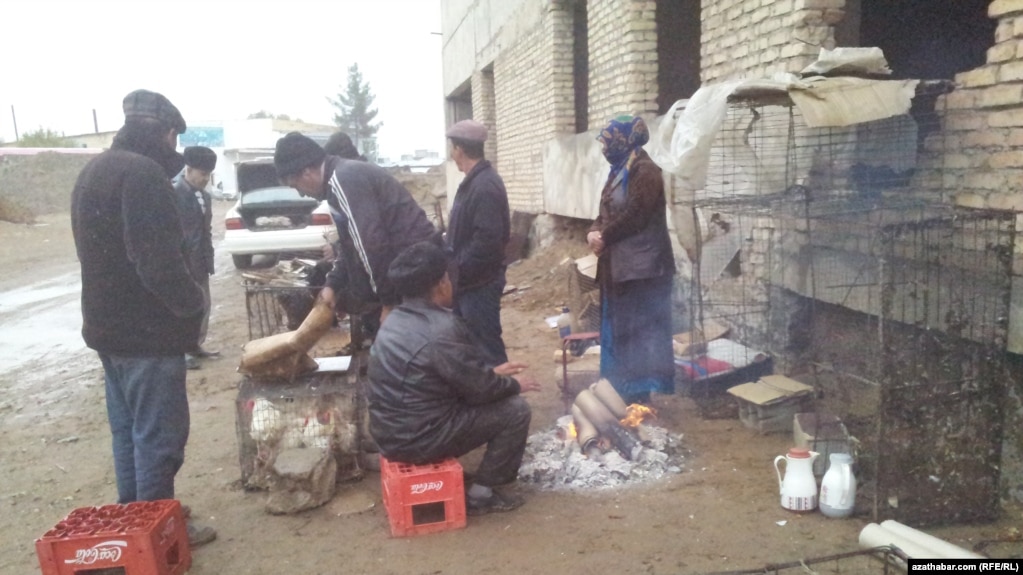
720,513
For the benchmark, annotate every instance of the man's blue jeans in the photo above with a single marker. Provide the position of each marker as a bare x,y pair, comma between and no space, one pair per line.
148,411
481,309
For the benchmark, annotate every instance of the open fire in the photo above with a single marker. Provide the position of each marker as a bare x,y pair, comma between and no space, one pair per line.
603,443
636,414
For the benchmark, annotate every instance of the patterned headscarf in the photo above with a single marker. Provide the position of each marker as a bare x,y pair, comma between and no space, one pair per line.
622,139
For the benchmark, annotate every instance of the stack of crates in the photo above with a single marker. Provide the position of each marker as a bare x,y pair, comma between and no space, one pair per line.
423,498
141,538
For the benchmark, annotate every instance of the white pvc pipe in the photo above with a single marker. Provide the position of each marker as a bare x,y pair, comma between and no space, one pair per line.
942,549
606,393
585,432
594,409
873,535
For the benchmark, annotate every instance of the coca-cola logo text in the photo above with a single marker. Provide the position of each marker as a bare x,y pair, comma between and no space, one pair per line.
105,551
418,488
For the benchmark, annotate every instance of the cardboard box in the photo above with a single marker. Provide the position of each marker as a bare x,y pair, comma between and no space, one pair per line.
695,342
770,403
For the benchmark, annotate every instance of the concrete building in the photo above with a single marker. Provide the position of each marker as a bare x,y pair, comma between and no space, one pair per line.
543,75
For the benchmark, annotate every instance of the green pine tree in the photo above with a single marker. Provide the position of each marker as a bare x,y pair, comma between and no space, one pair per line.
355,113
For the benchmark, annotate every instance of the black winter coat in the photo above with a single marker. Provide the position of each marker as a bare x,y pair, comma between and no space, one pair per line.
479,227
376,219
424,371
138,297
196,227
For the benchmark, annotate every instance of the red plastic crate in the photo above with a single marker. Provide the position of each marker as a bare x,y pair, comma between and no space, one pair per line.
142,538
423,498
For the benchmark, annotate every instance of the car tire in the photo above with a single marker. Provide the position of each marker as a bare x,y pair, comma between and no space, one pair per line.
242,262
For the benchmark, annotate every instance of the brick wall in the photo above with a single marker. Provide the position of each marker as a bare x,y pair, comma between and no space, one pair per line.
534,103
743,38
983,128
623,59
484,109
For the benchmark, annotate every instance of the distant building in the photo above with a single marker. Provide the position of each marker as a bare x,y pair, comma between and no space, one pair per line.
232,140
419,161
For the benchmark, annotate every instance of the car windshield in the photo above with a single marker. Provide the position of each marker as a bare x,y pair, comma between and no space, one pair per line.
277,195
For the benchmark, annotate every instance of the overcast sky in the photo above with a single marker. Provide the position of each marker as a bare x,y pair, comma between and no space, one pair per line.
221,60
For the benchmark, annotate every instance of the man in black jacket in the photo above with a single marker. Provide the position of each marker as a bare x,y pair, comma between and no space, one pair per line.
141,309
478,233
196,223
431,393
376,218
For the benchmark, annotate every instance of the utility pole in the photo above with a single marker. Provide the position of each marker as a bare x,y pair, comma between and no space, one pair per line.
95,124
15,119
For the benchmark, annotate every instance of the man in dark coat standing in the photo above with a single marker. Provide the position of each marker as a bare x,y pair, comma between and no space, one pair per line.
141,309
431,394
478,232
376,218
194,205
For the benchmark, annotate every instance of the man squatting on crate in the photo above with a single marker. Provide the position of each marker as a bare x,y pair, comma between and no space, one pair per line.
376,218
141,309
431,394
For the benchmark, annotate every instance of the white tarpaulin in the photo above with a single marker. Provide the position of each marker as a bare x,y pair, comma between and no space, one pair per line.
848,101
682,145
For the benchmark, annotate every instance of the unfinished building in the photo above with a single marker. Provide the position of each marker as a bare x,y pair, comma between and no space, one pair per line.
875,260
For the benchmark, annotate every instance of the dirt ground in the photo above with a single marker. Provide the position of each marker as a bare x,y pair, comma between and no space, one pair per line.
721,513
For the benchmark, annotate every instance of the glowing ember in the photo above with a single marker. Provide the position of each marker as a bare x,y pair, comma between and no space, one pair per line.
572,433
636,414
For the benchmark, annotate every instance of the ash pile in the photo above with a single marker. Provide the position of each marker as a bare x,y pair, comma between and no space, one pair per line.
603,444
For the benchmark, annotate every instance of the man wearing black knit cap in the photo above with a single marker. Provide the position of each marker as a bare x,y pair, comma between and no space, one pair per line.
433,394
141,309
196,223
376,218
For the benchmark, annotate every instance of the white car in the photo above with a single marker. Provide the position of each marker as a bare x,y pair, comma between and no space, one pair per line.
271,219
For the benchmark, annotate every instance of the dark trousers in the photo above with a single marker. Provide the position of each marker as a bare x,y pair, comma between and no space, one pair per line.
502,426
481,309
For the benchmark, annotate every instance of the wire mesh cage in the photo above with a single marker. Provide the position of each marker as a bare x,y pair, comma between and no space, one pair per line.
274,309
836,250
322,410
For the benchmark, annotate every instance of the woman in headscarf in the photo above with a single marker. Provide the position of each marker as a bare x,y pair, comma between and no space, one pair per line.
635,266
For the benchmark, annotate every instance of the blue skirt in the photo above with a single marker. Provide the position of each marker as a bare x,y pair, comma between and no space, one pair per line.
635,338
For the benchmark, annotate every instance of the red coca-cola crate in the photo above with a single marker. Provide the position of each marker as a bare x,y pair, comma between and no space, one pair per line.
141,538
423,498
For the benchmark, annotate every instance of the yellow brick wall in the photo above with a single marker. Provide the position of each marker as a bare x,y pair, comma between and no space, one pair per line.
534,103
982,137
623,59
484,109
758,38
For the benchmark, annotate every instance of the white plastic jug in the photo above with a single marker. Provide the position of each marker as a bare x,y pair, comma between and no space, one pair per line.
838,488
799,488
